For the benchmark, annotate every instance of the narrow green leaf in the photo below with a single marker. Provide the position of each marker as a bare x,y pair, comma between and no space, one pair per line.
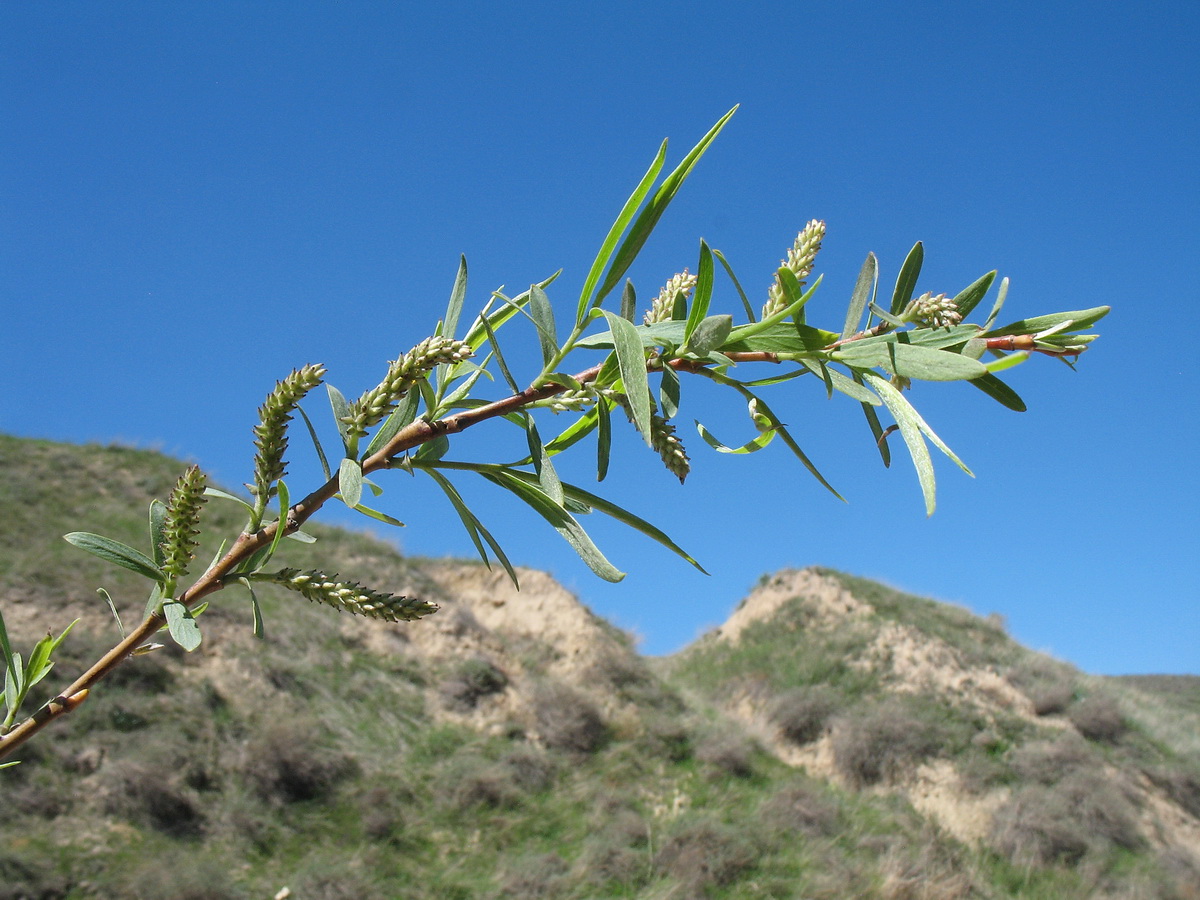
181,625
543,318
910,361
113,609
1078,319
312,433
1001,296
752,446
604,257
969,297
573,433
158,515
6,648
222,495
874,424
903,413
1006,362
404,413
116,553
774,421
284,508
458,295
906,281
341,411
668,392
604,438
350,476
649,216
750,316
378,516
864,293
840,382
1000,392
432,450
562,521
547,477
255,610
628,302
631,360
473,526
702,296
491,336
744,332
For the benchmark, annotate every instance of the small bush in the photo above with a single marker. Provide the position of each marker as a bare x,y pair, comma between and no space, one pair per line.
1049,686
147,796
284,763
567,720
665,737
533,771
472,680
1082,813
727,752
801,714
1049,762
1098,718
875,745
543,875
180,876
705,854
801,807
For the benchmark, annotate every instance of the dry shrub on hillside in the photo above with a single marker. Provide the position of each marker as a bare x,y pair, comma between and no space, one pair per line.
146,795
567,720
727,752
801,714
1083,812
285,763
801,807
703,855
472,680
541,875
1048,762
878,743
1050,686
180,875
1098,718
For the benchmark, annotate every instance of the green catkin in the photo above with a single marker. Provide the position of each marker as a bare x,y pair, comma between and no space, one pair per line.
662,438
664,304
270,435
800,261
180,524
350,596
403,373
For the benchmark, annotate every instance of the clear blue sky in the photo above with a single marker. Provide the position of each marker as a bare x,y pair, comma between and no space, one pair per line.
197,197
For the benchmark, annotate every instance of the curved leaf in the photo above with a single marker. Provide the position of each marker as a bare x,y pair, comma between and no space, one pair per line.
116,553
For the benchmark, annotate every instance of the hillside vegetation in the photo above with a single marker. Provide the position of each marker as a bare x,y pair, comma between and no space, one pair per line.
834,739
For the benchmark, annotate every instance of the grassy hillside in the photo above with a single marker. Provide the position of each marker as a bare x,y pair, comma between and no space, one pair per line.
835,739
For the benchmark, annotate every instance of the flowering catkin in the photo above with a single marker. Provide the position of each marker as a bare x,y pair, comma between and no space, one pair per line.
662,438
350,596
180,522
402,374
663,305
799,261
934,311
270,435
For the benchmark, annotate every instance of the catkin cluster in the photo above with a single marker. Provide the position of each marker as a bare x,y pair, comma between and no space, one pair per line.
180,524
350,596
799,261
664,304
270,435
403,373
